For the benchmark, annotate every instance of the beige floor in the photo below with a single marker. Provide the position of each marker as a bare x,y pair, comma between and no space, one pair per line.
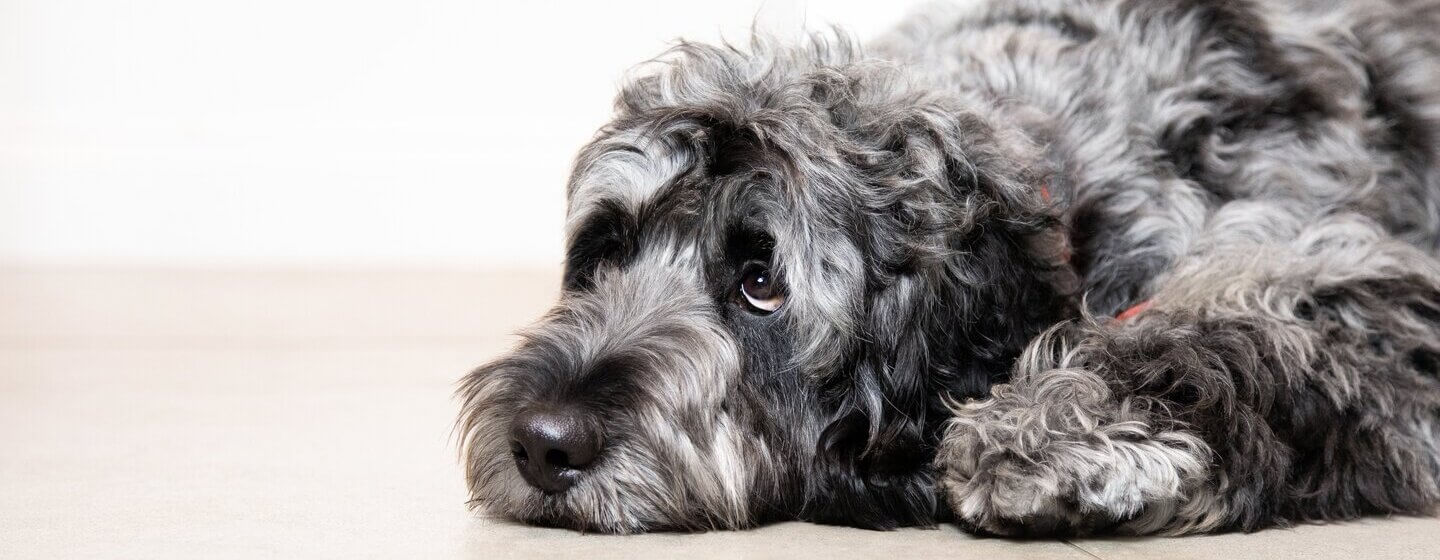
299,414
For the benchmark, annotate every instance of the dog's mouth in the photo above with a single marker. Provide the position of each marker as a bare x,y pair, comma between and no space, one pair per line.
554,510
582,504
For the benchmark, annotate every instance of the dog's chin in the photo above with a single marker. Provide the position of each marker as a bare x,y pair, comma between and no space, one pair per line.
557,511
572,509
565,511
553,513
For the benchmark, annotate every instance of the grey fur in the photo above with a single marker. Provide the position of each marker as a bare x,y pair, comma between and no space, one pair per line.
955,213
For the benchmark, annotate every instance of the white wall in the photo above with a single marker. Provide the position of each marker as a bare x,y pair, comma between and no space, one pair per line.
322,131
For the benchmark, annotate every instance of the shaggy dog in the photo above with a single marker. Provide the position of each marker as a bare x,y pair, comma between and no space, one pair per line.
1037,267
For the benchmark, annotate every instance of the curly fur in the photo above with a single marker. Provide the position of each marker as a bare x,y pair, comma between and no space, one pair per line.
955,213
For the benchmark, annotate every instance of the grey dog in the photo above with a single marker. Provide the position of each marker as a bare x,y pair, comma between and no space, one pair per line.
1040,267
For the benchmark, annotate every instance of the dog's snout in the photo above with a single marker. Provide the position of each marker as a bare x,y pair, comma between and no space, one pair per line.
552,446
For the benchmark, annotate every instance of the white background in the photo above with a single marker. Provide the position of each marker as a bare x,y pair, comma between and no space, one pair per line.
323,131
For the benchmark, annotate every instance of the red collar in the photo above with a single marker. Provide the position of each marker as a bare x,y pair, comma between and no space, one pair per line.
1133,310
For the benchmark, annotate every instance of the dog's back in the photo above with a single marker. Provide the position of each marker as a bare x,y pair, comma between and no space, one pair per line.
1158,114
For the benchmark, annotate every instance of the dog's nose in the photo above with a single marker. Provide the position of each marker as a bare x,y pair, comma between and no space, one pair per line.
552,446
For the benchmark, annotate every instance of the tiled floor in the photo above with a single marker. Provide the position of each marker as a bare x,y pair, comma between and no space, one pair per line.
298,414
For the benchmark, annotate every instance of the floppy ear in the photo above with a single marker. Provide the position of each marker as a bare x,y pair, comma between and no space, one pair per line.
965,218
965,266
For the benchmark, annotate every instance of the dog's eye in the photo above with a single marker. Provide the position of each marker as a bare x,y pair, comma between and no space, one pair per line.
758,288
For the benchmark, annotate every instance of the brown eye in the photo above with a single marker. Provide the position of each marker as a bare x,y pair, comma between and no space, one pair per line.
758,288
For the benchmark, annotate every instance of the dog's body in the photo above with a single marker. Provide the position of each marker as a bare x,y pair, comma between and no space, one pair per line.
879,289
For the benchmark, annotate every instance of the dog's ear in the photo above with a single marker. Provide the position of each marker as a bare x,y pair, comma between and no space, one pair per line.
965,265
971,251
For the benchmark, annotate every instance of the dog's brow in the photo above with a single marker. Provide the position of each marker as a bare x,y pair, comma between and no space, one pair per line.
632,170
602,214
605,233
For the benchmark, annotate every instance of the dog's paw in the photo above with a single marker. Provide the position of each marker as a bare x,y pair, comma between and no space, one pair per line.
1057,457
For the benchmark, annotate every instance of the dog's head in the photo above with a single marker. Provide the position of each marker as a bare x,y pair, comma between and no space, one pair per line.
781,263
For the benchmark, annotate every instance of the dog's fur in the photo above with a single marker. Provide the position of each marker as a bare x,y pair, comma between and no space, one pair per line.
957,213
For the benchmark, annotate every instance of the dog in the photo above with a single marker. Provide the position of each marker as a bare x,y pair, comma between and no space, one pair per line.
1035,267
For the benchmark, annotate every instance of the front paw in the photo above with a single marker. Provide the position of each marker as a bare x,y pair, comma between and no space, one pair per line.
1070,463
1013,499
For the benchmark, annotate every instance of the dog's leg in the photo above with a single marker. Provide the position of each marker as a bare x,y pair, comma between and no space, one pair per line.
1264,386
1058,453
1064,450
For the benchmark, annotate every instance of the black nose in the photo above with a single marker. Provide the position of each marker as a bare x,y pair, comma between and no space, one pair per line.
551,446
